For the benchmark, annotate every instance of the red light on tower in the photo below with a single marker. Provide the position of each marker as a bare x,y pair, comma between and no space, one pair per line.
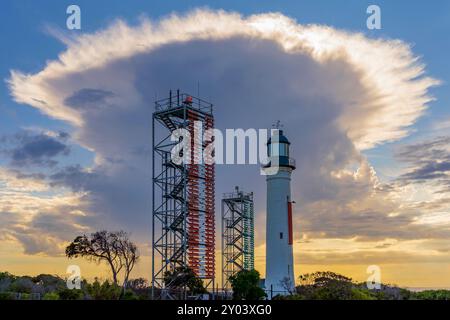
188,100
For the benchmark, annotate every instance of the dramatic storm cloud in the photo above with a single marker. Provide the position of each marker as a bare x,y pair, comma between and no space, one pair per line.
35,149
430,161
337,94
32,215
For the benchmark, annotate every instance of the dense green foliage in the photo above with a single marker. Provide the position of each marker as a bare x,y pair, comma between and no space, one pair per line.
332,286
49,287
51,296
433,295
314,286
245,285
184,277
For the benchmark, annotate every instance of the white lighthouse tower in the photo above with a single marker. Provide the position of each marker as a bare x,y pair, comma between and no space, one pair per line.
279,236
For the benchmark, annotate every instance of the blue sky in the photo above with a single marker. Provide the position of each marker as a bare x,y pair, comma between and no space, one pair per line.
334,109
26,45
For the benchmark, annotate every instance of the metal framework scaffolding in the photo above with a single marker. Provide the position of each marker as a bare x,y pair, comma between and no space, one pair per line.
183,194
237,234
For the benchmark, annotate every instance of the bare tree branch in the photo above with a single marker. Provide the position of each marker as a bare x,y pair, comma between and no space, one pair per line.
114,248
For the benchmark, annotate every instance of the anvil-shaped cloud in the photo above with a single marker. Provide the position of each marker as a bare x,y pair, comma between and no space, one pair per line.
337,94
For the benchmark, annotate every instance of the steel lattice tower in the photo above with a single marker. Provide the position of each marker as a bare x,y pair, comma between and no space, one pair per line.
183,194
237,234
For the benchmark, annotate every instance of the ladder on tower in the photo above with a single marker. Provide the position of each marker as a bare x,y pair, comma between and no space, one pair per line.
168,122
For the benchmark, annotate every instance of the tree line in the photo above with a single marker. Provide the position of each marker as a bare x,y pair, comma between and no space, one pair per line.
117,251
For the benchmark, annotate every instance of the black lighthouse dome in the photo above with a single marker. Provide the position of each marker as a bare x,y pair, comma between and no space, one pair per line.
278,148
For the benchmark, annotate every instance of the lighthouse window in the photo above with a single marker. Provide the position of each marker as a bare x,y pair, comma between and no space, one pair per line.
278,149
281,235
284,149
275,149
